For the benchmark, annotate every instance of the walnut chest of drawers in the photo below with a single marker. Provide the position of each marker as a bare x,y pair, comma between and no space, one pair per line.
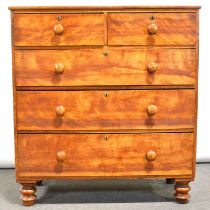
105,92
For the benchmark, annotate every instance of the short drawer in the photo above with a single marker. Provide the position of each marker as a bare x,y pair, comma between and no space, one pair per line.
58,29
104,155
90,67
152,29
105,110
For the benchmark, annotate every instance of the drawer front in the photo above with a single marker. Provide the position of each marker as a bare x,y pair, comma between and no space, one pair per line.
85,67
139,29
104,110
101,155
47,30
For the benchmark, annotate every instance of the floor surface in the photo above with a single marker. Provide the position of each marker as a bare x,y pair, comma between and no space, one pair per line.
107,195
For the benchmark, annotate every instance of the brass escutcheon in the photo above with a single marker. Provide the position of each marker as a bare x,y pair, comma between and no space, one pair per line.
59,18
106,93
152,17
106,53
106,138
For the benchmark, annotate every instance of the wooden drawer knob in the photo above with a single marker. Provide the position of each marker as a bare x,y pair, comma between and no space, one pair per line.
151,110
61,156
151,155
59,68
152,29
152,67
58,29
60,111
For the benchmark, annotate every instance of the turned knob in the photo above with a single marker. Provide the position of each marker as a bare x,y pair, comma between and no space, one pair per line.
151,110
152,29
152,67
151,155
59,68
61,156
60,111
58,29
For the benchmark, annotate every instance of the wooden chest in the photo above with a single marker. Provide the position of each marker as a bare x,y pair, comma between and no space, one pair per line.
105,92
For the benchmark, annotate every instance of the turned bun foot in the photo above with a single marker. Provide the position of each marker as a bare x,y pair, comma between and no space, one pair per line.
28,196
170,181
182,188
28,203
39,182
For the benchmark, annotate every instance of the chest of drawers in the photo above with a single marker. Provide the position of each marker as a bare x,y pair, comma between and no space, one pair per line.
105,92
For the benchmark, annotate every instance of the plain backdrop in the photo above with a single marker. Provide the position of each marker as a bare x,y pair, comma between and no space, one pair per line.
6,99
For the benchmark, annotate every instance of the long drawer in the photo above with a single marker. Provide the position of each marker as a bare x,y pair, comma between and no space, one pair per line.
104,155
152,29
58,29
105,110
122,66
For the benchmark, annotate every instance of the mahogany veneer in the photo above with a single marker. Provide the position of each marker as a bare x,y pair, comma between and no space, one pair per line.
78,29
105,155
123,66
172,29
93,110
105,93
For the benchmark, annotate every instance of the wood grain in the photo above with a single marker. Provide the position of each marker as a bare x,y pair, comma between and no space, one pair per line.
79,29
196,95
92,110
28,195
93,155
100,114
89,8
182,189
131,29
122,66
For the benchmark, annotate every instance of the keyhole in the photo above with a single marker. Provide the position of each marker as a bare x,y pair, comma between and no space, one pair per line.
106,94
152,17
59,18
106,138
106,53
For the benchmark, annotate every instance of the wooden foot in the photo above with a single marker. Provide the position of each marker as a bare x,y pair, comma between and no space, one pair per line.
170,181
39,182
28,196
182,188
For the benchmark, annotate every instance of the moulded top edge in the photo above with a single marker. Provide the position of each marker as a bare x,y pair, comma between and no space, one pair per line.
25,8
